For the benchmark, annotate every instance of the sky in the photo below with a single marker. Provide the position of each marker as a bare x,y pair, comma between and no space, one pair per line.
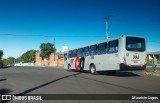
25,24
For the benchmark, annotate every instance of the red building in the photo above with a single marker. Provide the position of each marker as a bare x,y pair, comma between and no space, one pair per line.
50,62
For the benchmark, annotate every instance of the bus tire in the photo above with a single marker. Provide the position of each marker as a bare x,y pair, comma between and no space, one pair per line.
82,64
93,69
144,67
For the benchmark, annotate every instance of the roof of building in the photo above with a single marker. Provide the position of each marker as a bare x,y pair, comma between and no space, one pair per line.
158,52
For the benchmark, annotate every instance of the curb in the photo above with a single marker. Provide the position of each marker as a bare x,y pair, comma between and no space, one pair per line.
152,74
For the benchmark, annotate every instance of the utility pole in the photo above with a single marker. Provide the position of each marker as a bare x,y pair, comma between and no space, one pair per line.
107,26
54,64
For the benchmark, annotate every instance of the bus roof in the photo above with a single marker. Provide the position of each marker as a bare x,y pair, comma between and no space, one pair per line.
109,39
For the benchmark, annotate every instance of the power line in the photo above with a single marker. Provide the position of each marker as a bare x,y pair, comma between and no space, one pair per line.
46,36
149,41
18,35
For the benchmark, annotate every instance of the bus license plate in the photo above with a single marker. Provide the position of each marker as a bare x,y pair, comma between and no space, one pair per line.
135,61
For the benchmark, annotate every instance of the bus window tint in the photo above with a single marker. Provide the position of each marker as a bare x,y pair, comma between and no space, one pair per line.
86,51
93,50
135,44
102,48
70,54
113,46
80,52
74,54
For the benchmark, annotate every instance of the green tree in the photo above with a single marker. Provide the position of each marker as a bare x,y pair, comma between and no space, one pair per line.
9,61
46,50
1,54
1,63
28,56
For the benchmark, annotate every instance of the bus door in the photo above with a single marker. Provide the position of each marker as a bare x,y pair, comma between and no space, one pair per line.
102,56
112,55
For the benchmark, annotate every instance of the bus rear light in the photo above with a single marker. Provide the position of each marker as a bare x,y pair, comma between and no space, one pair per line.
124,60
77,63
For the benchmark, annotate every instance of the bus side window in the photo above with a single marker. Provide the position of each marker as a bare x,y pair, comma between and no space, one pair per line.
93,50
70,54
102,48
80,52
86,51
74,53
112,46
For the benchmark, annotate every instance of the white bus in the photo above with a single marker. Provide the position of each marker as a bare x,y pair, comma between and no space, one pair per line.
122,53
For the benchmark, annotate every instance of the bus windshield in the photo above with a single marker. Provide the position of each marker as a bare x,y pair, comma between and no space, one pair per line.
135,44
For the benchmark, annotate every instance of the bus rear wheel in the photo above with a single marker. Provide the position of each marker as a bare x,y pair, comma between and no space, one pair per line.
93,69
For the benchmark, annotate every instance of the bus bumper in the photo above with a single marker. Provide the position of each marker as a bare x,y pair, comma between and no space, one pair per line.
132,67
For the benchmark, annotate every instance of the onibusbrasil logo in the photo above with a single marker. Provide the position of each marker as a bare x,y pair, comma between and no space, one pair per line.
14,97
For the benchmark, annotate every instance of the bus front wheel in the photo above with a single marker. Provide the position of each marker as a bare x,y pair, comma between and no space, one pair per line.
93,69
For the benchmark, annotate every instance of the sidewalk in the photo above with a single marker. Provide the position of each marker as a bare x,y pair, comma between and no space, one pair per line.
149,71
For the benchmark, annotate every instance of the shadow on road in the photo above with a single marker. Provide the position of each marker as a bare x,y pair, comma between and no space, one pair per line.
6,67
117,85
4,91
3,79
35,88
125,74
45,84
117,73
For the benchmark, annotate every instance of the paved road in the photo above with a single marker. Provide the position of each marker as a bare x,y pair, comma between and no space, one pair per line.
42,80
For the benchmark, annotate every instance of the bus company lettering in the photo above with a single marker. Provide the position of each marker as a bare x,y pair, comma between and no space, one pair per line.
26,97
135,56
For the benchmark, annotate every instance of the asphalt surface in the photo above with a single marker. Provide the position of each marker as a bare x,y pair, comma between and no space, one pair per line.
47,80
